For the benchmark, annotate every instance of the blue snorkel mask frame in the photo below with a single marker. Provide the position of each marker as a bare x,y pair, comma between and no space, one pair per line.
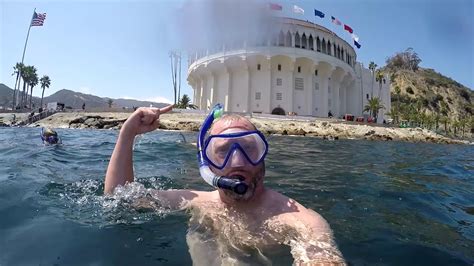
210,177
53,139
237,146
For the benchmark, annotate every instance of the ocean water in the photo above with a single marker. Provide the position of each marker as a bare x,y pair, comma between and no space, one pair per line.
388,203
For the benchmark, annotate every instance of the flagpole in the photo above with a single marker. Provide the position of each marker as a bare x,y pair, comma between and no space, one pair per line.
24,50
27,36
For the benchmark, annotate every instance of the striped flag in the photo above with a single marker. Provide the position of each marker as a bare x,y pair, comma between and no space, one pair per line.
38,19
275,6
298,10
335,21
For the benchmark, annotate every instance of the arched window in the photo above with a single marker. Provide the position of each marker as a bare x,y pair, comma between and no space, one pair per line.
324,46
281,39
303,41
338,52
342,54
329,48
334,49
318,44
311,44
274,40
297,40
288,39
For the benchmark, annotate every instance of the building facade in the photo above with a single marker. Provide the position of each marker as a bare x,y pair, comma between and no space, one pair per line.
302,68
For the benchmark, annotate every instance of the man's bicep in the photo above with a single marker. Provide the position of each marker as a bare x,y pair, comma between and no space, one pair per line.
175,199
315,244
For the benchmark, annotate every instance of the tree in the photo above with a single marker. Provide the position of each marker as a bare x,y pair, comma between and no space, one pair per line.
110,102
397,92
407,60
45,83
372,67
373,106
185,102
17,69
33,82
379,77
26,75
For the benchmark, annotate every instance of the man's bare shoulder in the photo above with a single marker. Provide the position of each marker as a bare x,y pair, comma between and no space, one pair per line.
182,198
291,212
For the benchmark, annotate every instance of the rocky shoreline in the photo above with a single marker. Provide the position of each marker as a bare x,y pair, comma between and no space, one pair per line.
322,128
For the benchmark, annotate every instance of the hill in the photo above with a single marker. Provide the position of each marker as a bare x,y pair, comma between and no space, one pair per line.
76,99
427,98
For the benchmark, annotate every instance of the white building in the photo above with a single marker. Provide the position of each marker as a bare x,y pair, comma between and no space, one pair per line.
303,68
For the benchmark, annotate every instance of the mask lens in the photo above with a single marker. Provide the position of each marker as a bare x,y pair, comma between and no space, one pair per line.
221,148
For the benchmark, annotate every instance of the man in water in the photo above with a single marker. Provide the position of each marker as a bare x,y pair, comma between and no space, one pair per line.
226,227
49,136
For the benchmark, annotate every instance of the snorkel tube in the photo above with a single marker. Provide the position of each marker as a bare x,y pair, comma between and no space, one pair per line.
212,179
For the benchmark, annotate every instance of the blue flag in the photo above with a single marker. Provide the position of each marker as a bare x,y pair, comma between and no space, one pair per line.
318,13
357,44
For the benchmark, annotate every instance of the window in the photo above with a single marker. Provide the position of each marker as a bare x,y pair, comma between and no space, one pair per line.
279,67
316,86
316,72
258,67
367,96
279,82
258,95
279,96
299,69
299,84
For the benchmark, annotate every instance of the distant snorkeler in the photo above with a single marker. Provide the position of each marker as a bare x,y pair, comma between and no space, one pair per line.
49,136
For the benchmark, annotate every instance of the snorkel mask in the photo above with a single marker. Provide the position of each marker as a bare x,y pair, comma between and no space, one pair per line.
220,150
49,136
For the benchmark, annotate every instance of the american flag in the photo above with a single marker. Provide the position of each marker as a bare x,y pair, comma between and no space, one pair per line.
38,19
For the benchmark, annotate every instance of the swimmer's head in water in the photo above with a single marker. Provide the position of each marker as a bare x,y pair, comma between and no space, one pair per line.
49,136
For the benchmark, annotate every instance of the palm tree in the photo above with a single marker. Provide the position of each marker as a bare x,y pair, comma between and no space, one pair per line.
397,92
185,102
379,77
16,71
26,74
45,83
373,106
110,102
372,67
33,82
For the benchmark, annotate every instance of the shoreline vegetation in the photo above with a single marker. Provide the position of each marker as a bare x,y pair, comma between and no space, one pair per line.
330,129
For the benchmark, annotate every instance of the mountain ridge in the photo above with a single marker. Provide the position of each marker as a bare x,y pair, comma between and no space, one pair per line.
75,100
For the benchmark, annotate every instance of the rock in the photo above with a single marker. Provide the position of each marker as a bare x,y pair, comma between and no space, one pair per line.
297,132
371,132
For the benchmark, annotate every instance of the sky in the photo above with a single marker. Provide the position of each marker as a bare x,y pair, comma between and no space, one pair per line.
121,49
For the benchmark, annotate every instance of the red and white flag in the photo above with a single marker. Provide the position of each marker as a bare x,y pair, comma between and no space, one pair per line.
336,21
38,19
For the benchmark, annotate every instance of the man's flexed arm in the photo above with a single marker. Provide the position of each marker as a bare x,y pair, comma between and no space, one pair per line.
120,169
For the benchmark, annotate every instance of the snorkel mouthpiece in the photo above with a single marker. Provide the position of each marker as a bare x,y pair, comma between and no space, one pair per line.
235,185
